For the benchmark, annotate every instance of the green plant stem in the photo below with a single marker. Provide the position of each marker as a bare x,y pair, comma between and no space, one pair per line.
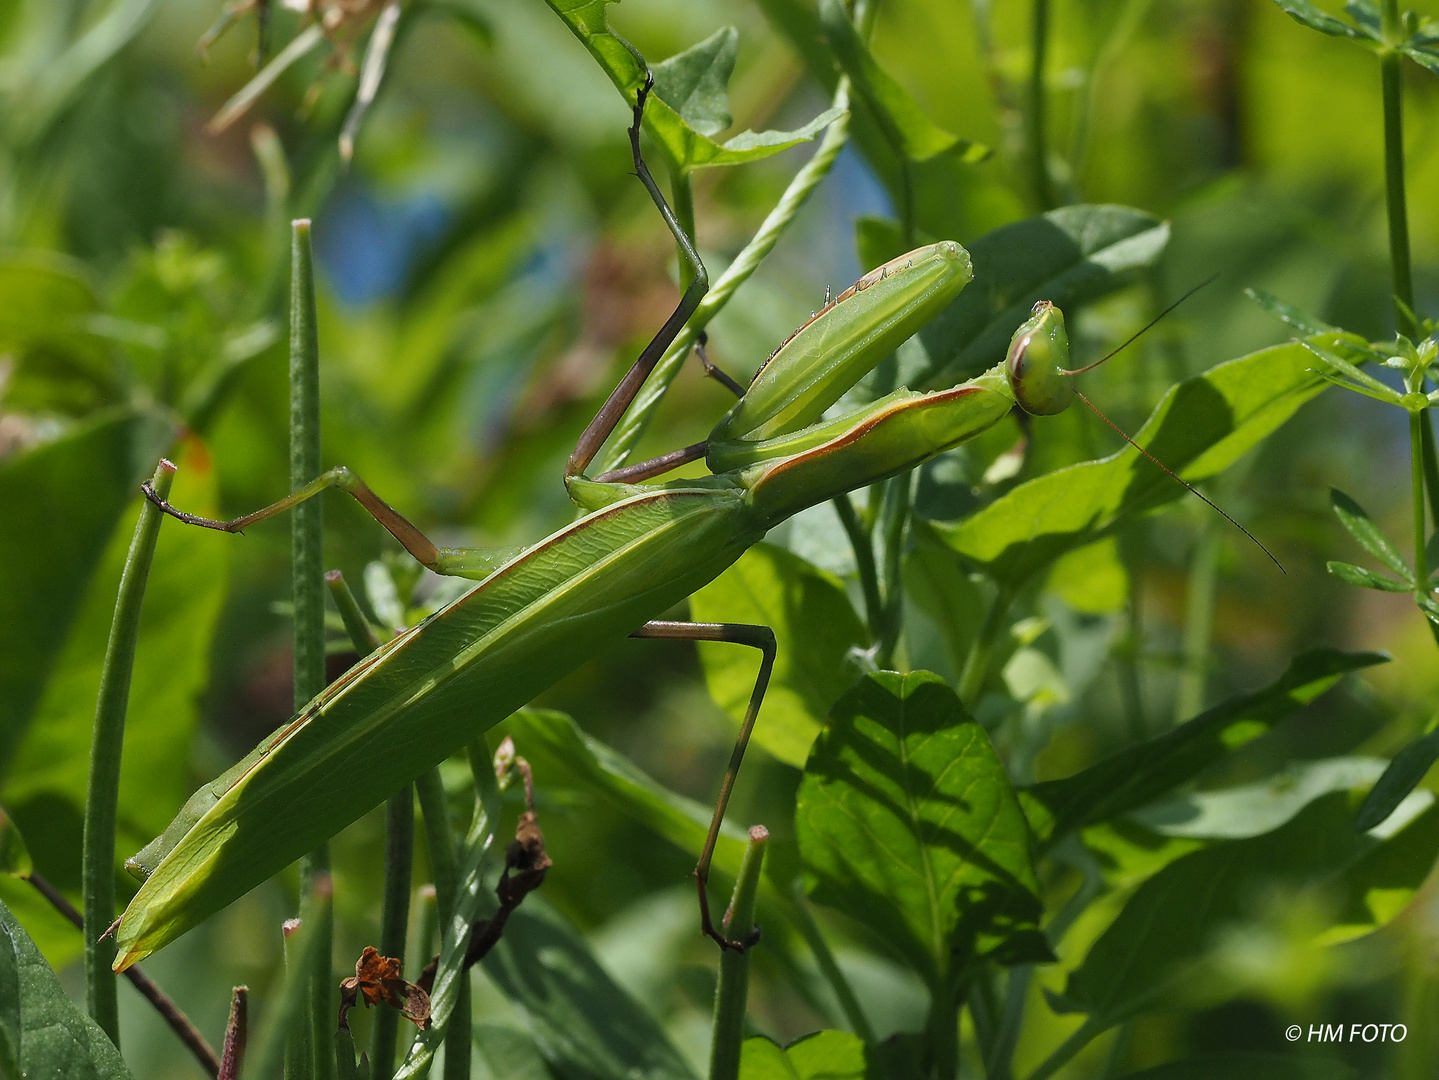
942,1031
863,545
682,199
896,519
829,968
1038,150
286,1014
445,869
307,582
1198,623
1000,1062
1391,78
1431,464
976,665
103,794
632,425
1416,474
732,992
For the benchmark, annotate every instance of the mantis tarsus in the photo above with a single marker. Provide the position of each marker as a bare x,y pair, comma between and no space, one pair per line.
639,550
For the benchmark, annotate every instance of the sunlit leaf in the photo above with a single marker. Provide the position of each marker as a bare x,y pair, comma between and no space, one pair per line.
695,83
1139,774
815,627
907,821
1360,525
825,1055
1200,427
56,1038
1365,579
1382,884
1314,17
683,146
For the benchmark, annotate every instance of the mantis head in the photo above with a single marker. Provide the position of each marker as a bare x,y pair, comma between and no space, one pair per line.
1034,363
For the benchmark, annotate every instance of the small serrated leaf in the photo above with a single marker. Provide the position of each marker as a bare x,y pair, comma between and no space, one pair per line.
1365,579
1401,777
1361,526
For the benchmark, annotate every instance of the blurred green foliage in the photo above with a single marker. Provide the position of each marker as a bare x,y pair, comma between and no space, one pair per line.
489,266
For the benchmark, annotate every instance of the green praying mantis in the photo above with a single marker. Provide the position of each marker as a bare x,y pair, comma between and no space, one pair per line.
639,549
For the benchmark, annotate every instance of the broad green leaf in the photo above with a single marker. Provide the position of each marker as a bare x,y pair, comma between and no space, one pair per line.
1365,579
1399,779
1314,17
937,585
1360,525
1385,880
46,304
695,83
1172,918
907,821
906,125
14,855
1067,256
50,767
825,1055
63,500
1199,428
1139,774
683,146
815,626
1245,810
1248,1067
583,1023
56,1039
1092,579
9,1010
561,752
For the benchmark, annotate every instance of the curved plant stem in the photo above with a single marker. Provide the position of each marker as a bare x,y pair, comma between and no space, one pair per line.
1391,80
863,544
976,665
1416,475
632,426
1198,622
307,583
103,794
682,200
896,519
732,993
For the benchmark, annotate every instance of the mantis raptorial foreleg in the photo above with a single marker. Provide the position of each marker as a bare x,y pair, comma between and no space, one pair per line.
757,637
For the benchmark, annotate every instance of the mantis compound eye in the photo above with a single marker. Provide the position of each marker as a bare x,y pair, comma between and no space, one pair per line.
1038,354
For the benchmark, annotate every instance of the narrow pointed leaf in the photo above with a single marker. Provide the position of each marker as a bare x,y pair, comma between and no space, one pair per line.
1288,314
907,821
1365,579
1399,779
1426,58
1360,525
1139,774
906,124
1314,17
1339,363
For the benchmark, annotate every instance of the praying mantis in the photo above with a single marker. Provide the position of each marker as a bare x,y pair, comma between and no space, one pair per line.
639,549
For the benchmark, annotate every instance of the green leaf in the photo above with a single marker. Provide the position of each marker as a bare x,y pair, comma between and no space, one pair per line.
1172,918
1199,428
1382,884
56,1039
14,855
46,303
906,125
815,626
565,755
1247,1067
1429,607
50,767
1317,19
63,501
825,1055
9,1010
1139,774
1365,579
1401,777
907,821
1426,58
1067,256
584,1024
683,147
1360,525
1092,580
695,82
1288,314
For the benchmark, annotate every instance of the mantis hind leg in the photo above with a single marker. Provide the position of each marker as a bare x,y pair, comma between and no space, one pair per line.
623,395
757,637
